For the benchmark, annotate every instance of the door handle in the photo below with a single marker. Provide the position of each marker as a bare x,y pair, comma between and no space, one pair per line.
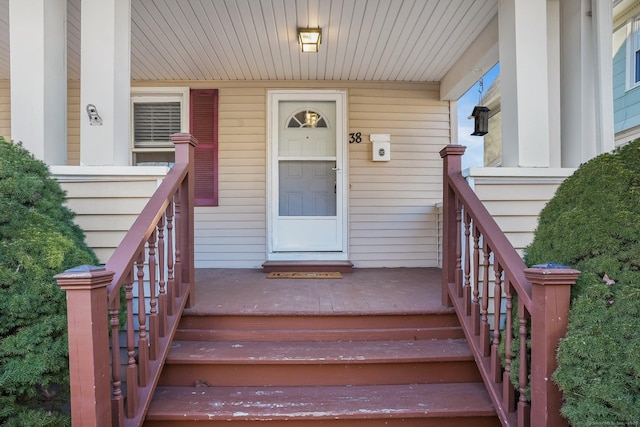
335,169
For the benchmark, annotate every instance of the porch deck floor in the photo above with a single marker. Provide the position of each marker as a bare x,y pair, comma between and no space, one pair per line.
365,291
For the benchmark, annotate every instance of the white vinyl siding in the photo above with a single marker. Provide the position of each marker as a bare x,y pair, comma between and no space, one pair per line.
515,198
392,218
107,205
392,204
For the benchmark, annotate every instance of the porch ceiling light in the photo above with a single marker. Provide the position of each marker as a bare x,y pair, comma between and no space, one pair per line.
309,39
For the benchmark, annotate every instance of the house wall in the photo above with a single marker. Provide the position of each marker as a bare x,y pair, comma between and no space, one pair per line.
107,200
392,204
515,197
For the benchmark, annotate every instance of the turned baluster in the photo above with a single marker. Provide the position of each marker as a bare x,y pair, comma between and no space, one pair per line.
162,291
524,409
153,302
179,234
132,367
475,305
458,283
143,339
496,369
466,294
117,400
485,328
508,392
171,294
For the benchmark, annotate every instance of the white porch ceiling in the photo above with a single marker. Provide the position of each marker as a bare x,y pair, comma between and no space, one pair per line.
382,40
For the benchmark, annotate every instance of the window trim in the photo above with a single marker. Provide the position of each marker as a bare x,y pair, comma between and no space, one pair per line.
633,53
159,94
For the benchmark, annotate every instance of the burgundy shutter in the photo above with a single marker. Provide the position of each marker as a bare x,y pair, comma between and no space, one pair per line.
204,126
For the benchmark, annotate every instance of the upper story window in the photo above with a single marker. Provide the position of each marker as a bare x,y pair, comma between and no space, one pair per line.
633,54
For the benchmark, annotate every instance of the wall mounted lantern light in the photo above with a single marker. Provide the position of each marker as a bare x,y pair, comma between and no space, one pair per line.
310,39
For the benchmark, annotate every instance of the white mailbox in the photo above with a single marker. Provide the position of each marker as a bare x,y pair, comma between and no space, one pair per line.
381,146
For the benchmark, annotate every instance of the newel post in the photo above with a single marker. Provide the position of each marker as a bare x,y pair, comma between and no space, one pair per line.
452,165
89,366
185,144
551,292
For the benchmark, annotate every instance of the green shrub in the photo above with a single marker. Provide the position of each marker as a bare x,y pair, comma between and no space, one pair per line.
593,224
37,240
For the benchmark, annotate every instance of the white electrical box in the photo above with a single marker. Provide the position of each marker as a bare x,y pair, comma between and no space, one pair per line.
381,146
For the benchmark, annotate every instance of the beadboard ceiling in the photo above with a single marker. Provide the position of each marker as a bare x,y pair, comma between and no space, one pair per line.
383,40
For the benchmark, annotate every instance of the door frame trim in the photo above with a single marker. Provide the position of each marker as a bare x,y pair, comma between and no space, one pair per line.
273,98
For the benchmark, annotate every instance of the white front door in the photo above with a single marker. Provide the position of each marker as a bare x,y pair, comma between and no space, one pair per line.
307,206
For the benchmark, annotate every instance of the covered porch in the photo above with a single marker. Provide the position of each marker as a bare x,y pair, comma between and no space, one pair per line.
364,291
364,324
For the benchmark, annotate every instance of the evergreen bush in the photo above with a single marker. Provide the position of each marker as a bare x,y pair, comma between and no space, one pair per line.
37,241
593,225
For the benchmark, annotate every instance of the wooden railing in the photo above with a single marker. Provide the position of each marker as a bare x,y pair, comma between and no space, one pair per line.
153,268
482,277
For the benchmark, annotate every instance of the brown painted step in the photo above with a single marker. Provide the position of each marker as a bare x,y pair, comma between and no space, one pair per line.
318,327
319,363
444,405
360,334
307,266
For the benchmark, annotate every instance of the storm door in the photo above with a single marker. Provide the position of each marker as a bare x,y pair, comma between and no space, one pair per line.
307,185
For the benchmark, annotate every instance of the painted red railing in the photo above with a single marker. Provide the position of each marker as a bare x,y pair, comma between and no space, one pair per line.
481,276
153,268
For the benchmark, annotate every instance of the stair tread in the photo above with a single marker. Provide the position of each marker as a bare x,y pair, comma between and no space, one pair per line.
320,402
360,334
326,352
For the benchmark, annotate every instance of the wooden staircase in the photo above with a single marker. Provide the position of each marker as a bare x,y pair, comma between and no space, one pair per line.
308,370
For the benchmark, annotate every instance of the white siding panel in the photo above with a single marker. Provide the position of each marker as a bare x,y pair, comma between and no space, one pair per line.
392,204
392,217
107,207
515,200
234,233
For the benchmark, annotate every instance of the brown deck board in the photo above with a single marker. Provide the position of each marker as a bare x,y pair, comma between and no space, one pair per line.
324,352
328,402
365,291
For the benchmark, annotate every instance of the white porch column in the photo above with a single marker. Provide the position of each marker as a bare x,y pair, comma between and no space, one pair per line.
38,38
602,13
524,80
105,81
587,94
553,58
